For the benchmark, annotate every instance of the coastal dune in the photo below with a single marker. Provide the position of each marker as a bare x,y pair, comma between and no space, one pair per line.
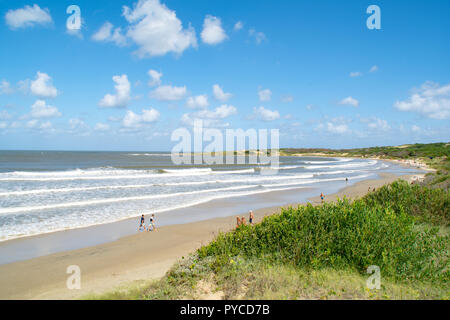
143,256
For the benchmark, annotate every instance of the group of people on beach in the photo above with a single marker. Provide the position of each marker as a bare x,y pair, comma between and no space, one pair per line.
151,225
240,221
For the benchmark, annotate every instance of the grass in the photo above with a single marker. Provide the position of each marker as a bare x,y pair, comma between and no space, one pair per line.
322,252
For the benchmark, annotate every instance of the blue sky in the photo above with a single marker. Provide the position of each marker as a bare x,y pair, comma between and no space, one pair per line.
309,68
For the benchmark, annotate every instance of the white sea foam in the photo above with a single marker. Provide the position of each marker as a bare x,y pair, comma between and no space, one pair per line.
31,200
348,165
112,200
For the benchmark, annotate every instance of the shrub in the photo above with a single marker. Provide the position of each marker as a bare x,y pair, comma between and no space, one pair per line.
339,236
428,205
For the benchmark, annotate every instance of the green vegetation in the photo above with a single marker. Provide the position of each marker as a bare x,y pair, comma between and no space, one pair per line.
426,204
434,150
434,155
323,252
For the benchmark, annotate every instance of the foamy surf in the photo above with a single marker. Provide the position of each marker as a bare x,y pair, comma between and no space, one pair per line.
41,200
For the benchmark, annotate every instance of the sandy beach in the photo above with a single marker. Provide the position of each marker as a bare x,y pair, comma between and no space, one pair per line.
143,256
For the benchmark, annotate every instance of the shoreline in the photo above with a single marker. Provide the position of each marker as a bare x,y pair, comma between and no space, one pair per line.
142,256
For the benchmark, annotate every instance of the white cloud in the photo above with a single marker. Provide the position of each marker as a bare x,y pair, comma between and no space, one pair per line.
219,94
134,121
169,93
349,101
355,74
122,96
238,26
258,36
155,78
101,127
431,100
287,99
42,126
107,33
157,30
42,86
337,128
27,17
76,123
4,115
222,112
5,87
264,114
47,125
379,124
265,95
211,118
200,101
213,32
40,109
32,124
373,69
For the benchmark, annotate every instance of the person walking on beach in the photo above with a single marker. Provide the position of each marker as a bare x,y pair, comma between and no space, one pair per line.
152,223
142,223
346,180
322,196
238,222
251,217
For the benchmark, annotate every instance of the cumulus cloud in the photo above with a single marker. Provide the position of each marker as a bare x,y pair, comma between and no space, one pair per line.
45,126
169,93
238,26
135,121
337,128
200,101
211,118
40,109
122,96
373,69
4,115
349,101
259,37
431,100
155,77
5,87
42,86
157,30
107,33
219,94
264,114
355,74
287,99
27,17
101,127
213,32
265,95
379,124
76,123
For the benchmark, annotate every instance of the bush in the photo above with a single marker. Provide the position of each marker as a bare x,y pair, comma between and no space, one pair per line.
340,236
428,205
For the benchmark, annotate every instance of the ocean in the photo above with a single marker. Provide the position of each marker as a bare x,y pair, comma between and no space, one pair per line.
47,191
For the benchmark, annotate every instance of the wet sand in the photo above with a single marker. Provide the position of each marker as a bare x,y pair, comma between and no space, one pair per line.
143,256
